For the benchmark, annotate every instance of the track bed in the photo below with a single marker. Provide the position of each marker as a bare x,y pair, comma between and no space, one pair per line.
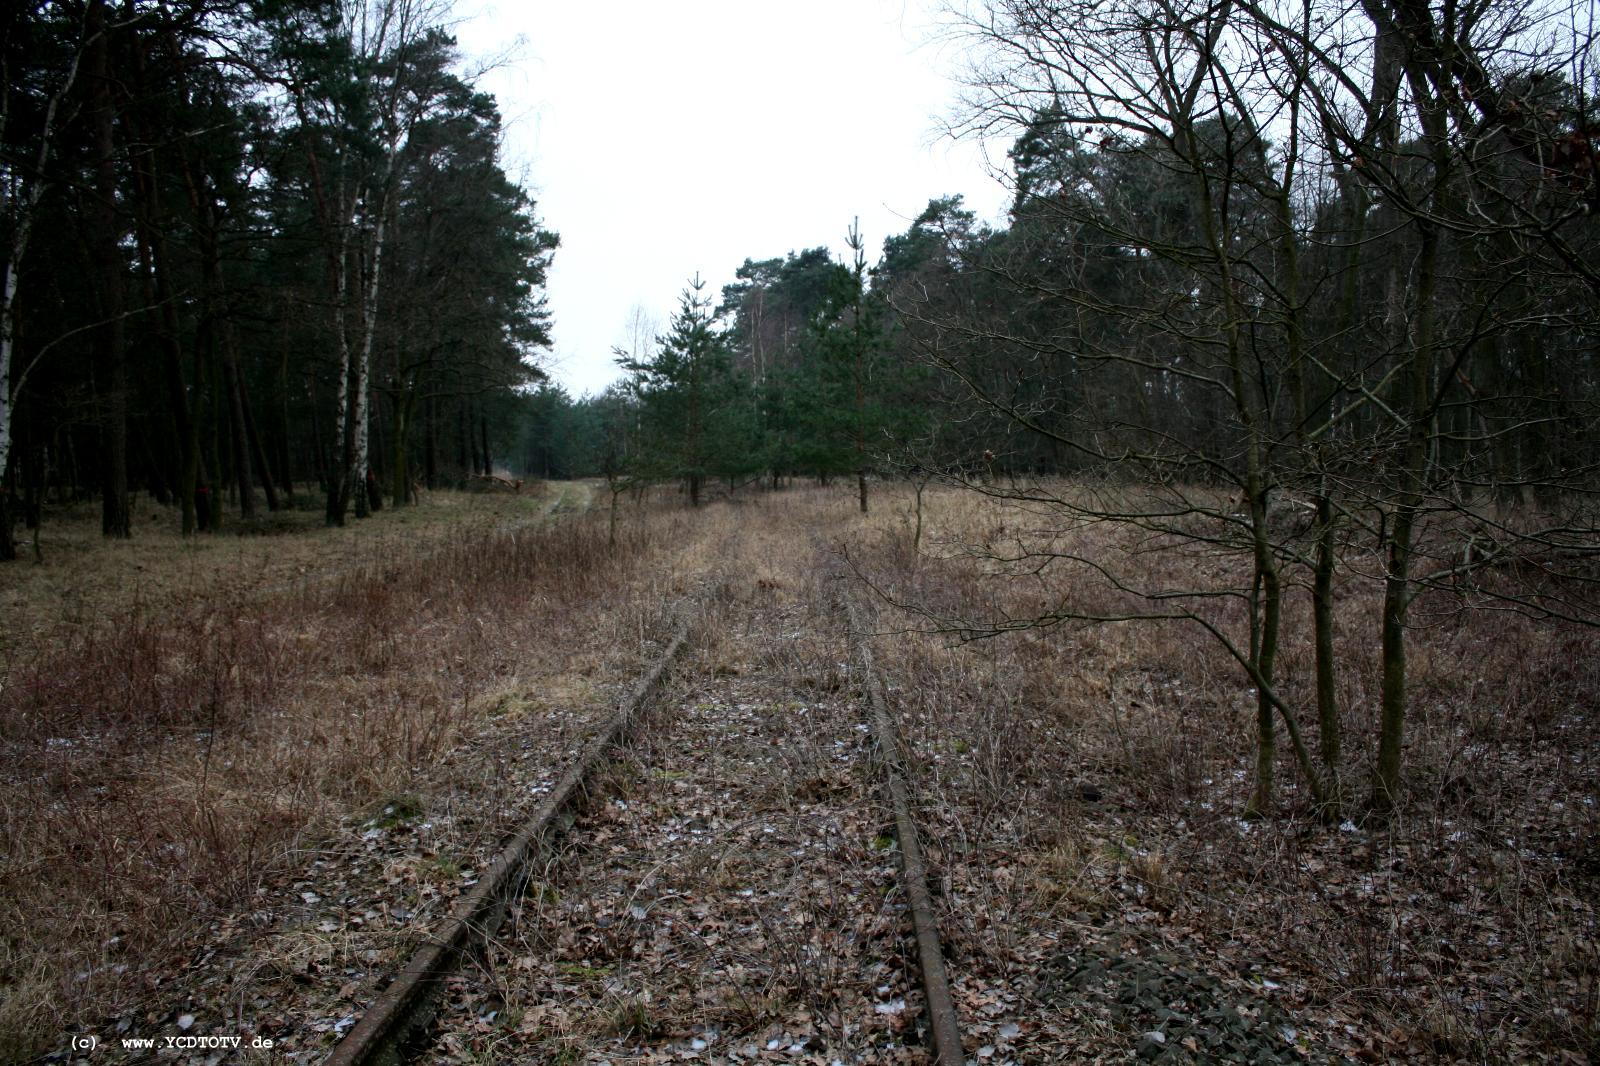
734,895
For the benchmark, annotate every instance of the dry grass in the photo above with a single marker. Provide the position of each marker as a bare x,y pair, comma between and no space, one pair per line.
82,581
1085,782
160,773
1081,784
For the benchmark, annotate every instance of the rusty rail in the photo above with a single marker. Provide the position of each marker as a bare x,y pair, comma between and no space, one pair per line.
942,1018
409,1002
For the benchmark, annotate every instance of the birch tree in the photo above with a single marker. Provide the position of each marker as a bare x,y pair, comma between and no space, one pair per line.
360,132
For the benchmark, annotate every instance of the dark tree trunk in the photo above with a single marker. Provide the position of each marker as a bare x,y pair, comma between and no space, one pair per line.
154,476
73,480
238,442
155,251
1322,605
282,457
105,250
34,476
319,446
431,445
184,425
404,405
213,434
8,543
374,469
257,451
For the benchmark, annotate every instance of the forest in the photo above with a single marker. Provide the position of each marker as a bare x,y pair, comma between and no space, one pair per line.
1250,462
250,247
1302,289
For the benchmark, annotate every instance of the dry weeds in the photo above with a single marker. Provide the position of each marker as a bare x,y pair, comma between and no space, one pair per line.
83,582
187,783
246,808
1085,784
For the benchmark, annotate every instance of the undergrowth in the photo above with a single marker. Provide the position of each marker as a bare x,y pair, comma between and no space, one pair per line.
154,773
1091,778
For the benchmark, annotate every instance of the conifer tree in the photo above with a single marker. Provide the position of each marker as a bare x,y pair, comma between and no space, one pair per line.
685,391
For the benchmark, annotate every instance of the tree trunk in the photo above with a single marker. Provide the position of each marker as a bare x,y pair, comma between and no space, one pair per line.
343,446
401,474
1413,475
257,452
369,328
206,382
8,543
35,476
238,433
23,208
1266,617
1392,700
346,444
430,446
154,221
183,422
319,447
8,294
285,460
106,252
1329,729
359,417
154,477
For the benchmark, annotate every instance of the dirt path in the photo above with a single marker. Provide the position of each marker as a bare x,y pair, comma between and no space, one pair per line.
735,899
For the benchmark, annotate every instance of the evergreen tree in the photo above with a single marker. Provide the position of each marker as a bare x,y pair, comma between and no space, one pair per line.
688,398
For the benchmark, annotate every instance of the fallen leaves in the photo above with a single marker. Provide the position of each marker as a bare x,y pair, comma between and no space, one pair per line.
725,904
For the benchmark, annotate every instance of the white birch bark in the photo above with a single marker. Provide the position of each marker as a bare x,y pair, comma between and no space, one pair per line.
341,403
377,24
369,322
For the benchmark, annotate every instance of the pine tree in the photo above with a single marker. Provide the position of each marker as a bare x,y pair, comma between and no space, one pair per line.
686,393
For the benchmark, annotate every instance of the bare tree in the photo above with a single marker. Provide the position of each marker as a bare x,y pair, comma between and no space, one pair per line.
1253,250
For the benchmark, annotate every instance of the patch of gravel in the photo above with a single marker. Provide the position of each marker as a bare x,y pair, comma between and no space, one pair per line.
1172,1012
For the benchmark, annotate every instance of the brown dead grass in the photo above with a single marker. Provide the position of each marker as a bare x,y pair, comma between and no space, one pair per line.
1081,785
159,772
1085,784
82,581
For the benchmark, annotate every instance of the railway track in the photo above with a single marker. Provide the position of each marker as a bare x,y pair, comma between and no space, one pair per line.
742,882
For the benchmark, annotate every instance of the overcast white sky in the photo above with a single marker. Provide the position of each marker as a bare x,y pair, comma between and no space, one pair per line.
665,139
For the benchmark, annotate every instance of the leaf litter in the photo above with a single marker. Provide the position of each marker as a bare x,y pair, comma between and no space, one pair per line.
728,900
